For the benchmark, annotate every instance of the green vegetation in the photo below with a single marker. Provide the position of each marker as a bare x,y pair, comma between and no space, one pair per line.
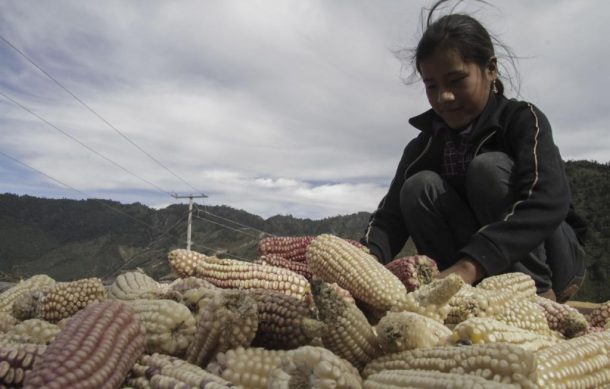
69,239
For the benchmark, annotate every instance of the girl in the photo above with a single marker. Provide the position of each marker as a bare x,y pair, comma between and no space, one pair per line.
482,190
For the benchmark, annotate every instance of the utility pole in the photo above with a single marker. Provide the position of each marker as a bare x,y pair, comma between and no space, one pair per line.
188,229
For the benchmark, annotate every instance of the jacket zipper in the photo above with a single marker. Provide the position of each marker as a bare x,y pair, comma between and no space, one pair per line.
418,157
476,152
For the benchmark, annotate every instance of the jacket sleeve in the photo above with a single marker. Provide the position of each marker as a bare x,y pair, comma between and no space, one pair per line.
386,232
542,195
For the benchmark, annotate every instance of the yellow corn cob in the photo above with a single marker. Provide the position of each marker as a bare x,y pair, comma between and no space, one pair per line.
499,362
432,300
135,285
284,322
34,331
64,299
581,362
563,318
521,285
481,330
32,284
164,371
170,326
16,361
400,331
348,333
233,274
314,367
332,259
226,320
413,379
95,349
247,367
7,321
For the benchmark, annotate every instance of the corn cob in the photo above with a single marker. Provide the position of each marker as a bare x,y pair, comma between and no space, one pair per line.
170,326
96,349
16,361
34,331
7,321
195,299
581,362
348,333
474,302
229,273
66,298
181,285
499,362
521,285
184,262
290,247
481,330
414,271
226,320
279,261
164,371
24,306
34,283
525,314
400,331
135,285
563,318
247,367
600,315
332,259
314,367
283,321
413,379
432,300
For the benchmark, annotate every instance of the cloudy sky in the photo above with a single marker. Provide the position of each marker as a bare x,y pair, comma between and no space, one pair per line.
271,106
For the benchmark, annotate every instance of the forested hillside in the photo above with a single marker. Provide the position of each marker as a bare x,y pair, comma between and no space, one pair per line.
70,239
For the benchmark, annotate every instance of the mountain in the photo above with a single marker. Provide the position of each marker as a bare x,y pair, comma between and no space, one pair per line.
70,239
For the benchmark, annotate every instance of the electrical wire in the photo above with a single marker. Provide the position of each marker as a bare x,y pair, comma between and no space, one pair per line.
76,190
95,113
81,143
204,210
225,226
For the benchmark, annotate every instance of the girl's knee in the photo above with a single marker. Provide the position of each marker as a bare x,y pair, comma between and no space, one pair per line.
417,186
488,177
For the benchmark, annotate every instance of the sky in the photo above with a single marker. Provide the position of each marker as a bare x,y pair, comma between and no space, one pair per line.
289,107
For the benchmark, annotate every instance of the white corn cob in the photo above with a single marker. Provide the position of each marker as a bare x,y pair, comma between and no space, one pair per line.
499,362
247,367
424,379
170,326
400,331
481,330
332,259
314,367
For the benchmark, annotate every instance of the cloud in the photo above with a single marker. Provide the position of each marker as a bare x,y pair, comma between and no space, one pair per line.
275,107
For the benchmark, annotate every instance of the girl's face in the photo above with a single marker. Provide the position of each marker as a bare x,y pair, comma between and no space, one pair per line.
456,90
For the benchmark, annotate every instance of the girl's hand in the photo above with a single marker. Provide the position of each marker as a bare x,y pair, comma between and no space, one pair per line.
469,269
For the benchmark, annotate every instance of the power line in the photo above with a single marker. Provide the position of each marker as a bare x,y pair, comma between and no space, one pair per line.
95,113
216,250
81,143
204,210
225,226
76,190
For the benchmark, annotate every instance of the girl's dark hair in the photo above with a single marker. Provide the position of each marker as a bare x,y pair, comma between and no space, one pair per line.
459,32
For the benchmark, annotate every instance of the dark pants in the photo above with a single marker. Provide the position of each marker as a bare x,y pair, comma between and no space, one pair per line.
441,222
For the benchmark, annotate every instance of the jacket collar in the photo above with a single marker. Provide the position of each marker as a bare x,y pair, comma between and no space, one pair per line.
489,118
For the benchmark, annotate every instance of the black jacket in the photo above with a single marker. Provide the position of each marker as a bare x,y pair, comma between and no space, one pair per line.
516,128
